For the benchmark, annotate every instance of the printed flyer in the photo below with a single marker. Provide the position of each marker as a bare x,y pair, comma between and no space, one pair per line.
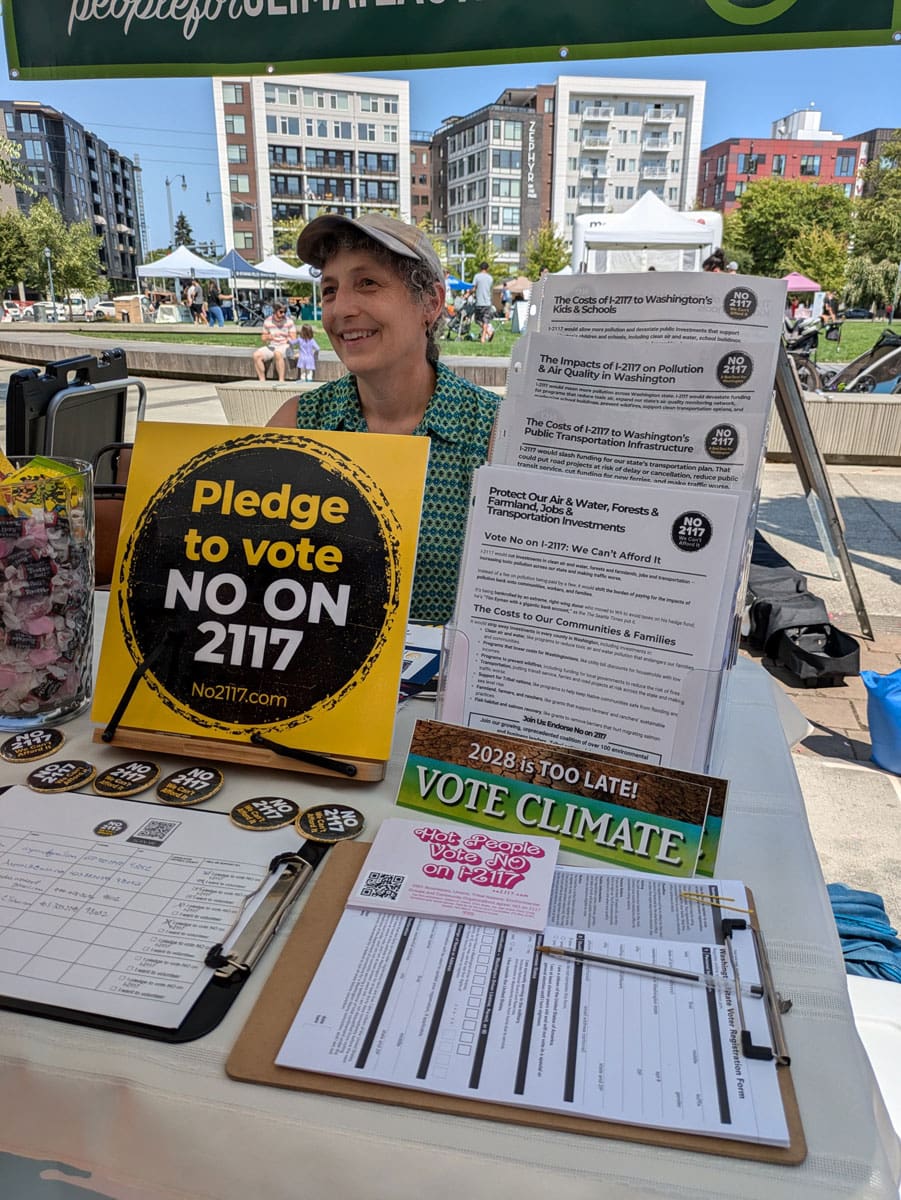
621,813
263,581
594,612
435,869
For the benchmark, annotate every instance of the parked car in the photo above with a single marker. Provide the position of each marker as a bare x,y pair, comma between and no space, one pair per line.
104,310
11,310
858,314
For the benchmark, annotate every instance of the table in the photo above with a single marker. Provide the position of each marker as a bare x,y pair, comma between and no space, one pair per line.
150,1121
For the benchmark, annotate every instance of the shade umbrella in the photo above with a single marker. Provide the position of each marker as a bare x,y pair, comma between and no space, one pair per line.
520,284
796,282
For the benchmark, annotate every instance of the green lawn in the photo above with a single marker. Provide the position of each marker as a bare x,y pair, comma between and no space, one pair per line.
857,336
499,347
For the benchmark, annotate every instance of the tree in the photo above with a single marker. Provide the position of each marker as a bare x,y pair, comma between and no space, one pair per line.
74,251
774,212
78,268
478,248
15,256
819,254
183,234
11,171
285,236
868,283
877,225
545,248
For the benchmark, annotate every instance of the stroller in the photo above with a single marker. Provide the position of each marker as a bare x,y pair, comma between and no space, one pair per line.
460,324
876,370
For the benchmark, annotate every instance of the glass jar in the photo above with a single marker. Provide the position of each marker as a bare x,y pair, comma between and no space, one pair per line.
46,590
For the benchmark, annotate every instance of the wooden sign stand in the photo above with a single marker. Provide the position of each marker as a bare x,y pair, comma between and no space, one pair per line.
366,770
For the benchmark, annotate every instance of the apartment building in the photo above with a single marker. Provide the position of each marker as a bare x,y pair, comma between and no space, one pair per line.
420,176
294,146
615,139
83,178
797,148
872,143
493,167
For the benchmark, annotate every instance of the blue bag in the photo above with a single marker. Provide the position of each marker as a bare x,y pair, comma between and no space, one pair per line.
884,718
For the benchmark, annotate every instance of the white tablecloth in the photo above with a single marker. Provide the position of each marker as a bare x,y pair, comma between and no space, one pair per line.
149,1120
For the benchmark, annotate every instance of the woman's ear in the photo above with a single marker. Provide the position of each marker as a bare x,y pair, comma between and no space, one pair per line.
433,304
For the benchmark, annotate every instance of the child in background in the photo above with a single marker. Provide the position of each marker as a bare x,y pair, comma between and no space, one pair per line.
307,353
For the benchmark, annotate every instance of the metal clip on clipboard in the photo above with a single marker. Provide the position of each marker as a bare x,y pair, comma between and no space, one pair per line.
263,925
776,1006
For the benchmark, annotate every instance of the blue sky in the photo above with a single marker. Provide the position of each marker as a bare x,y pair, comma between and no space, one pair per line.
169,122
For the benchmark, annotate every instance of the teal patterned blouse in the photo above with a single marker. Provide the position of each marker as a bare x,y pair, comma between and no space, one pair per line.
459,419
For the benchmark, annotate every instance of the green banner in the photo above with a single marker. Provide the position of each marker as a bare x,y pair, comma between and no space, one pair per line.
49,39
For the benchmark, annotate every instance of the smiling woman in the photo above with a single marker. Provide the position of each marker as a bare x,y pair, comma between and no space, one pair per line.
382,308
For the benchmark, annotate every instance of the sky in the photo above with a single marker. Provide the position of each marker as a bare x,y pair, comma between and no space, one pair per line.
169,122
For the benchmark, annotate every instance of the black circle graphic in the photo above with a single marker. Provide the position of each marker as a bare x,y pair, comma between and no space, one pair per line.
722,441
691,531
740,303
269,563
734,369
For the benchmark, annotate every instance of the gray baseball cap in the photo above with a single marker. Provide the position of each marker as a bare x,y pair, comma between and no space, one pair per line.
407,241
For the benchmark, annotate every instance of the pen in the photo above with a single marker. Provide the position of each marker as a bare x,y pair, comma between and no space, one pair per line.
307,756
628,964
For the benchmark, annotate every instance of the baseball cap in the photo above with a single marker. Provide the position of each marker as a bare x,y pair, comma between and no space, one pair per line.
732,266
407,241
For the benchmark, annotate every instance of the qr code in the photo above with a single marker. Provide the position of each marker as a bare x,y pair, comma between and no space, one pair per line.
154,832
383,887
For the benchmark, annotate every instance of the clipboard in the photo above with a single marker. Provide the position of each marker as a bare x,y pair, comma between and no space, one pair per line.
252,1059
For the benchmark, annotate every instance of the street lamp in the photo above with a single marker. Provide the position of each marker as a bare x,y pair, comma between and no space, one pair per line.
50,276
184,188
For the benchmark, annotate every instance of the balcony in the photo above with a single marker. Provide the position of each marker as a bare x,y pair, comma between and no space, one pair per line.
592,172
593,199
653,171
602,112
656,144
592,141
660,114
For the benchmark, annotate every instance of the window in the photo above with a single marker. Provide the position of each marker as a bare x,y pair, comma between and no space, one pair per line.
239,183
343,130
632,165
31,123
243,239
242,212
673,194
11,122
510,217
389,104
748,164
619,193
506,188
287,155
677,137
778,164
633,137
548,104
389,133
844,164
316,128
339,101
718,193
810,164
278,93
233,93
575,133
34,149
675,166
234,123
622,136
620,164
572,164
289,126
272,125
721,165
365,132
570,191
512,131
369,104
335,160
505,243
237,154
510,160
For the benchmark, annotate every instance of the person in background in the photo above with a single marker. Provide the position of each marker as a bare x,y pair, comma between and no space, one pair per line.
278,333
382,308
482,284
214,313
307,353
732,268
227,300
195,301
506,299
830,307
715,262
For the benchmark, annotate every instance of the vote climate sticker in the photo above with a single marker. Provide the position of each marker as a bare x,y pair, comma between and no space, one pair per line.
271,562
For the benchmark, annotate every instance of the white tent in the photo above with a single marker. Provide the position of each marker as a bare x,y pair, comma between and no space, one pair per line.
182,263
277,268
650,233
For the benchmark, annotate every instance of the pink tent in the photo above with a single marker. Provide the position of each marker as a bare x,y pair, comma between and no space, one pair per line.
795,282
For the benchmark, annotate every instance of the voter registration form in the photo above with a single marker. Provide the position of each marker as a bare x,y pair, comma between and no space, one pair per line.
473,1011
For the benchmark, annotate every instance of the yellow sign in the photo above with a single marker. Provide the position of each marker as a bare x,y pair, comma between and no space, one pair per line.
266,575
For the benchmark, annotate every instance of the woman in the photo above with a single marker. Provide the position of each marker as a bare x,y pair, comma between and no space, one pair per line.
383,294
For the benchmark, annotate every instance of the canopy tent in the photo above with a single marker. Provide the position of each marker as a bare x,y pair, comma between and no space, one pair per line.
454,284
277,268
650,233
236,265
796,282
182,263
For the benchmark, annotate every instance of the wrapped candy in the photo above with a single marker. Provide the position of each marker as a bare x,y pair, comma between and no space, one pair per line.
46,590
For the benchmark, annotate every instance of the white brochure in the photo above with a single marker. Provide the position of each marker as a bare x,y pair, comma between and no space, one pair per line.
474,1011
593,614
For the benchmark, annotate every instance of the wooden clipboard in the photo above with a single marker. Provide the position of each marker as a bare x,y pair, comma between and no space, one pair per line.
252,1059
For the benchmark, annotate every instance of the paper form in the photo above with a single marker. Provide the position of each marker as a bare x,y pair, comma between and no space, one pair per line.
110,906
467,1010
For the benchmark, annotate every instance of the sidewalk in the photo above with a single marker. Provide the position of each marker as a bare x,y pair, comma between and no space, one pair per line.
854,808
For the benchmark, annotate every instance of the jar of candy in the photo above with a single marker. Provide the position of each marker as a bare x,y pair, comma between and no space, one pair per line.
46,590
